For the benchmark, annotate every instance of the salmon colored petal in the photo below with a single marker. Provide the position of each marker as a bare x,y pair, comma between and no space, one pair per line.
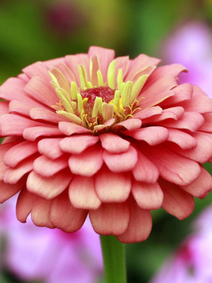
113,143
129,124
72,218
122,63
73,62
25,202
105,57
173,167
139,226
82,193
40,213
42,91
66,72
182,139
11,124
23,108
69,129
200,103
7,90
37,69
147,196
50,147
202,152
191,121
176,201
145,170
139,63
77,144
149,112
46,167
152,135
33,133
19,152
110,218
121,162
201,186
170,113
13,175
207,126
8,190
86,163
51,187
4,107
46,115
112,187
3,150
181,93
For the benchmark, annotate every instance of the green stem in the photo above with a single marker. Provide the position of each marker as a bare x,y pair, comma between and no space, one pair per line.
114,259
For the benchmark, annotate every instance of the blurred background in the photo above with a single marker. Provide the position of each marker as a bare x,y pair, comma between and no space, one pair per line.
177,31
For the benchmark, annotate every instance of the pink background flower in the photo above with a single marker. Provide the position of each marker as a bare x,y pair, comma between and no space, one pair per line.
51,255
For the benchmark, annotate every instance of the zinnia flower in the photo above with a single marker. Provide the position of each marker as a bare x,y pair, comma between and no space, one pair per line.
76,257
191,262
112,138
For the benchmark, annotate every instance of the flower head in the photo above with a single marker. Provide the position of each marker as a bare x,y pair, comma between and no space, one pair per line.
110,137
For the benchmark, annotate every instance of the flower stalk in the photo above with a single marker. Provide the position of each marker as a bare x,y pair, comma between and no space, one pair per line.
114,259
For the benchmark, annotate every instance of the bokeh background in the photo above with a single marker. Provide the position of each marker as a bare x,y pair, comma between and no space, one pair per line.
176,31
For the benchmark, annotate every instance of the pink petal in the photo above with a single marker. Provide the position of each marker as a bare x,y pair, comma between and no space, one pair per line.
176,201
207,126
33,133
73,62
19,152
104,127
77,144
146,71
11,124
121,162
50,147
72,218
47,167
139,63
68,74
129,124
147,196
191,121
7,90
105,56
51,187
25,202
200,102
42,91
202,152
23,108
112,187
201,186
169,113
8,190
110,218
167,70
4,107
69,129
13,175
122,63
37,69
148,112
139,226
151,135
40,213
182,139
88,162
113,143
173,167
182,92
145,170
46,115
52,62
82,193
3,150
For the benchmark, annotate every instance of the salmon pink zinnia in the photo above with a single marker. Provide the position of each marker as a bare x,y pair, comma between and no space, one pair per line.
112,138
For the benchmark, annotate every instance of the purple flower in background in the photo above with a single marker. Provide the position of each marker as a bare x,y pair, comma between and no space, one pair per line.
50,255
192,261
191,46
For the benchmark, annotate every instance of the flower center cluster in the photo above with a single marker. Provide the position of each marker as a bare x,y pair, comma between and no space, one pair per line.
95,101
